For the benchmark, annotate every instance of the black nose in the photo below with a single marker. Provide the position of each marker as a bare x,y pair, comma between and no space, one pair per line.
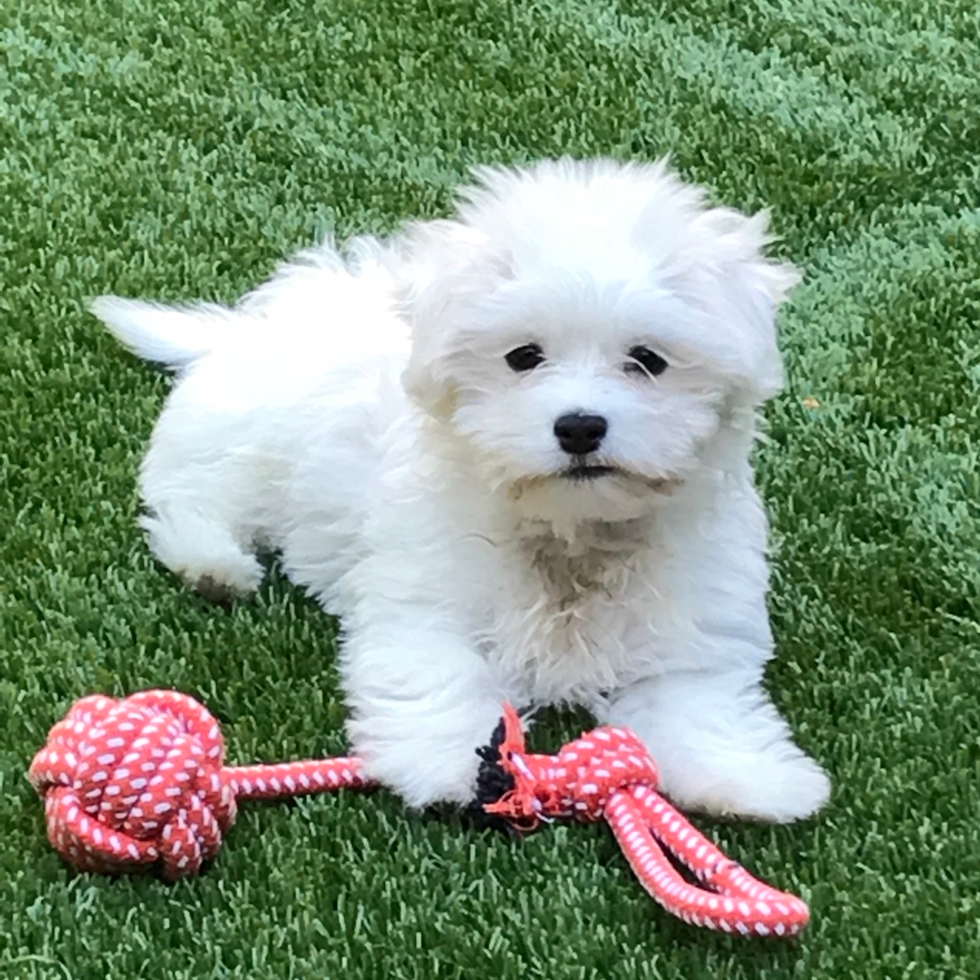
580,434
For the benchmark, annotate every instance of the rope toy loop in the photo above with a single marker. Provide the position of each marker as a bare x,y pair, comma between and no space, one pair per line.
140,784
608,773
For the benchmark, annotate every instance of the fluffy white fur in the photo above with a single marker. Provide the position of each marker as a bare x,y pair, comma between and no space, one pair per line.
356,414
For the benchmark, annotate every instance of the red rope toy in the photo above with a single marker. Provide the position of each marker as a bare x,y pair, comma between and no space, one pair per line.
141,783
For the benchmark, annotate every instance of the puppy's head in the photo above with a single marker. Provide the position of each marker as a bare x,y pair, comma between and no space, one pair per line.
593,330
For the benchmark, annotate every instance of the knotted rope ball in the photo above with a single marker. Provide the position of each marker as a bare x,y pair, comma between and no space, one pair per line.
141,784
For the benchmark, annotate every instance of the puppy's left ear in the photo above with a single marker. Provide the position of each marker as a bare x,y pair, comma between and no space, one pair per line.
767,285
757,285
448,266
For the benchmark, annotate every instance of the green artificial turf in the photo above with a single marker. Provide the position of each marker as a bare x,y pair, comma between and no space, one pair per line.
179,149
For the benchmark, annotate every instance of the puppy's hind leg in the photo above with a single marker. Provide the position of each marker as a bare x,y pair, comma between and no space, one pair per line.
202,550
207,494
201,480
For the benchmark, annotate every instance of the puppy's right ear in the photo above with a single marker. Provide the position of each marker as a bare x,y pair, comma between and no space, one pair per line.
448,266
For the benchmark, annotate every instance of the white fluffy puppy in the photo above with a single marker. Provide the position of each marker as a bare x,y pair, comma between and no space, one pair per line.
511,450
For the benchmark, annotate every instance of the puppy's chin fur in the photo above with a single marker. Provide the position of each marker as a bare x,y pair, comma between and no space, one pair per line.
359,415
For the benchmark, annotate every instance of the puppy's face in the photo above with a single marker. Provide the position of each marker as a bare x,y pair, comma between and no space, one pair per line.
590,331
575,402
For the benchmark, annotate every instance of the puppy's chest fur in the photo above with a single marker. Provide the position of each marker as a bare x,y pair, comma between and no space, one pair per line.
570,616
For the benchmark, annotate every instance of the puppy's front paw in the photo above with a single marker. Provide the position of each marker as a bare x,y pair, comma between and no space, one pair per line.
427,766
798,789
777,791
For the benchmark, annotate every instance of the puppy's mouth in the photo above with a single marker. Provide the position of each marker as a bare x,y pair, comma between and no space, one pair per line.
584,472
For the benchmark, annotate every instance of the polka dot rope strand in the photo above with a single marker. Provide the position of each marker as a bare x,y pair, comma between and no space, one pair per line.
140,784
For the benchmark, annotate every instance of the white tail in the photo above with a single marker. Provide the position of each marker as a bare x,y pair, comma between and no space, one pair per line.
175,336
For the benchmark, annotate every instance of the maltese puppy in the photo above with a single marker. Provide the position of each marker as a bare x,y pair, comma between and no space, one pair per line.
511,450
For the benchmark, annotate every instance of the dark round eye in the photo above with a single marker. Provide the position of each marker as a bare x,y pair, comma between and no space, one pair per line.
645,361
525,358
